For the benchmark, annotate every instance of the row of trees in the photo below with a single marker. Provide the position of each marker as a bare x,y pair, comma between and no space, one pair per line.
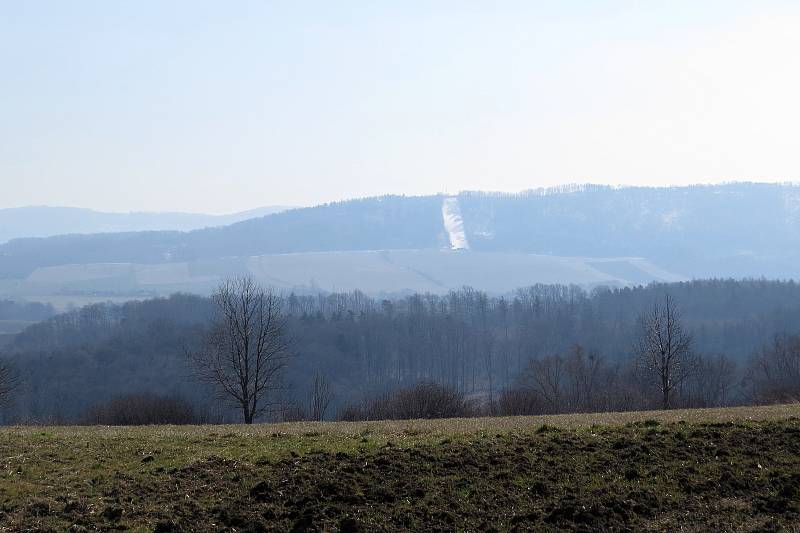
663,371
247,348
578,381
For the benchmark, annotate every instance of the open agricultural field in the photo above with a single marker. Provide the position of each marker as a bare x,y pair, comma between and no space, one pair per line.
435,271
726,469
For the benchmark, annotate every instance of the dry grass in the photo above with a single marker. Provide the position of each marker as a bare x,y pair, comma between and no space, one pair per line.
450,426
109,477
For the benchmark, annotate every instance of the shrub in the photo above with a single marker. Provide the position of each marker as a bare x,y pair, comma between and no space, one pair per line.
515,402
424,400
141,410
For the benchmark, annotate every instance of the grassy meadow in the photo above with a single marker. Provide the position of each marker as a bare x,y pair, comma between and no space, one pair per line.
730,469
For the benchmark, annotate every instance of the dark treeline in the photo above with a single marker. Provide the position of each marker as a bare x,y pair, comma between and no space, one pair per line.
542,349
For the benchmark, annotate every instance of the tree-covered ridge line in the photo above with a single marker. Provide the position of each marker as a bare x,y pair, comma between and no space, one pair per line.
694,231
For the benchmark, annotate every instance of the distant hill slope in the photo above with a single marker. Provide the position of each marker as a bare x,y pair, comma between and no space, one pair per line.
374,272
43,221
740,229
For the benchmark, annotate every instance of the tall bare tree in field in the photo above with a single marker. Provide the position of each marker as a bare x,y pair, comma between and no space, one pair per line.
246,349
664,349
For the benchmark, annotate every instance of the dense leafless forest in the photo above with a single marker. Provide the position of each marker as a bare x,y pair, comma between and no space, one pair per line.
542,349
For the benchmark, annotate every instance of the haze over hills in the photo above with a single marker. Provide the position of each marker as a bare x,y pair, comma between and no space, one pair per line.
589,235
46,221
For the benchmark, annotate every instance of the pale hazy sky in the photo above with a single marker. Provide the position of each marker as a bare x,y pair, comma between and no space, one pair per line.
220,106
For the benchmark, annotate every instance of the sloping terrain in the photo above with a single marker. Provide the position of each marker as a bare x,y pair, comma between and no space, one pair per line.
43,221
390,271
585,235
725,469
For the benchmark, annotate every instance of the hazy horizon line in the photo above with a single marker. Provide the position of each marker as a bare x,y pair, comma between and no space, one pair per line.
567,187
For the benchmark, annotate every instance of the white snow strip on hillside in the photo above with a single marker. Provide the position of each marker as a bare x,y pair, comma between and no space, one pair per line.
454,224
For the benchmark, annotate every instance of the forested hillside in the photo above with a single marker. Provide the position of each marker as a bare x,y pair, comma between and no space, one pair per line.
474,343
703,231
373,224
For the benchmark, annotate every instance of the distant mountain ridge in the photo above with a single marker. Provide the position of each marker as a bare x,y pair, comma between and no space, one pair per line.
731,230
45,221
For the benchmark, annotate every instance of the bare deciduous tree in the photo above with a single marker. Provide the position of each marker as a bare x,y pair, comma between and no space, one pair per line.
9,382
584,371
246,349
664,349
546,378
321,397
712,381
577,381
774,373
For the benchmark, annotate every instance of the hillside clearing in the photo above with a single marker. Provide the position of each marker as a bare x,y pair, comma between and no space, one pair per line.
731,468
